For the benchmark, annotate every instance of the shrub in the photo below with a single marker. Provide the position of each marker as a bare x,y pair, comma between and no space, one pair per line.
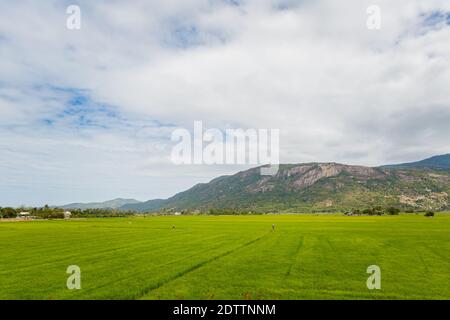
8,213
429,214
392,211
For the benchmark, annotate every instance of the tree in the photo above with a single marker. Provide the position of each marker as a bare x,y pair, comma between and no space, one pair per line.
429,214
378,211
8,213
393,211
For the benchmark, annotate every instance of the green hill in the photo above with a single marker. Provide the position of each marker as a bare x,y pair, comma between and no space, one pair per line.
314,187
441,162
111,204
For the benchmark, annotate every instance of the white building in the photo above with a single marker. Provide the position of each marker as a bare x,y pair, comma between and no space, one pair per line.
23,215
67,214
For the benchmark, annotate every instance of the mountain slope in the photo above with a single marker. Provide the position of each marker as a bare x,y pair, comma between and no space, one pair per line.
436,162
314,186
111,204
151,205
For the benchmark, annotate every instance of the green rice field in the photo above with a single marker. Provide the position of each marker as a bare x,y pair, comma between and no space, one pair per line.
227,257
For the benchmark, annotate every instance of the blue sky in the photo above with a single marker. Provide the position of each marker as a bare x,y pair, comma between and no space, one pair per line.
87,115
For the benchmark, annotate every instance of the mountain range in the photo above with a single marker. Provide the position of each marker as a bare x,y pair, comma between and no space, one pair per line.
436,162
318,187
306,187
111,204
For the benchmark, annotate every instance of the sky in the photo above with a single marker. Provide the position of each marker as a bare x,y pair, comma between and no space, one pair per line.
87,115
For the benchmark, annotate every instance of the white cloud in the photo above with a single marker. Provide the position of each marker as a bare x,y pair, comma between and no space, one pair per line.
336,90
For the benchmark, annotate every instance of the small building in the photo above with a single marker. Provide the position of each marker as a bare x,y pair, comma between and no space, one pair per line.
67,214
23,215
177,213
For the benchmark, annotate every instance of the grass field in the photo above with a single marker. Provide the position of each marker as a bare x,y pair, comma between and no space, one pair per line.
228,257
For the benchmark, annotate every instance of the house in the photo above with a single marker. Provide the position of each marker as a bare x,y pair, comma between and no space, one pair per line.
23,215
67,214
177,213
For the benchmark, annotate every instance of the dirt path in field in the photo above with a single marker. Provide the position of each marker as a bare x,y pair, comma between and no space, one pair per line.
295,256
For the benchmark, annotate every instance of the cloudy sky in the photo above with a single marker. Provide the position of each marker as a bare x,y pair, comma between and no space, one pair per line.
87,115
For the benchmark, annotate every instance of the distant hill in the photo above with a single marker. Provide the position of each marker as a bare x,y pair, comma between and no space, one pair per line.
151,205
317,186
437,162
111,204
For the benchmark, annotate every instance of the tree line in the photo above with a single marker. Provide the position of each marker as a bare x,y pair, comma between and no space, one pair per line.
47,212
379,211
